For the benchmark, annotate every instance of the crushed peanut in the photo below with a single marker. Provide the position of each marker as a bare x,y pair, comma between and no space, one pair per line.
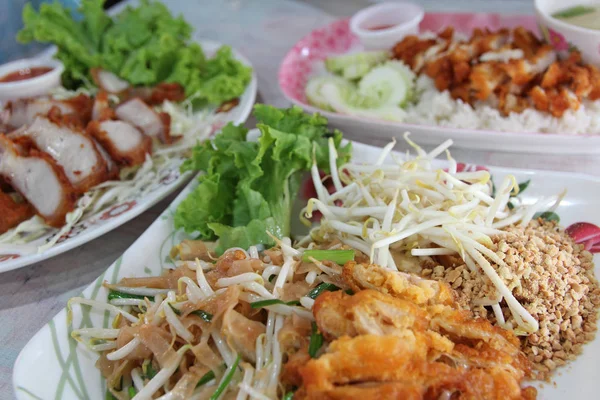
550,275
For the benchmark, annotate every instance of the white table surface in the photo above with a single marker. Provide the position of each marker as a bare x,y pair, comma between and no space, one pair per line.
263,30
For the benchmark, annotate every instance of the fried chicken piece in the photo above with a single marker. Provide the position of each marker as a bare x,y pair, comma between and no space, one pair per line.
411,49
395,367
485,78
13,212
39,180
366,312
397,284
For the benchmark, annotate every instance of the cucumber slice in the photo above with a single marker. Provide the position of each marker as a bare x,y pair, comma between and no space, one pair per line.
313,90
354,66
341,100
389,83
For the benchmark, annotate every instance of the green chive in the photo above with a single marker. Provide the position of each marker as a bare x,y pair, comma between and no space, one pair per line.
510,205
175,310
207,377
226,379
493,187
316,341
148,370
288,396
573,12
203,314
132,392
522,187
548,216
113,294
315,292
340,257
270,302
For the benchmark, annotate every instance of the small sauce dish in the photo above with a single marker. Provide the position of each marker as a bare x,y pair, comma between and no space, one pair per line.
29,77
383,25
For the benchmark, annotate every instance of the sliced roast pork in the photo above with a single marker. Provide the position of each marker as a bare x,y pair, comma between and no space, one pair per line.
139,114
123,141
72,150
39,180
22,112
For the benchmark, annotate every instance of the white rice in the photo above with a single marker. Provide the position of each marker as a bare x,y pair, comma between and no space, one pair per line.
439,108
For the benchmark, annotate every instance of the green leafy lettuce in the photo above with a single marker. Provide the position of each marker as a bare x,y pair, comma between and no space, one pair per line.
145,46
248,188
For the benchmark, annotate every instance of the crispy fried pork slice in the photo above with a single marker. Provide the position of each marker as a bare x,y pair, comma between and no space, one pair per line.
398,284
151,123
13,212
101,109
123,141
72,150
157,94
23,112
112,169
39,180
398,367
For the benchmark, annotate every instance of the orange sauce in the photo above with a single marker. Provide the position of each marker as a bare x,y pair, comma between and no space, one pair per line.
25,73
380,27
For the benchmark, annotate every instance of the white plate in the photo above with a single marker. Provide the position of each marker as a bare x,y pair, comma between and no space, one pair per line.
53,366
306,59
90,228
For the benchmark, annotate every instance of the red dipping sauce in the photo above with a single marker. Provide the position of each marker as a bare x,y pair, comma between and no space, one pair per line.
380,27
25,73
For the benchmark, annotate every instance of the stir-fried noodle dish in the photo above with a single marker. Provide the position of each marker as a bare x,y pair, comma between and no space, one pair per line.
416,283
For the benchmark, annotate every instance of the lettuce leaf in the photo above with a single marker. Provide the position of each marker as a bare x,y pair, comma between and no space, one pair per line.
248,188
144,45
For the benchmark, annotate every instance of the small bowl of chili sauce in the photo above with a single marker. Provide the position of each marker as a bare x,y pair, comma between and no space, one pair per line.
383,25
29,78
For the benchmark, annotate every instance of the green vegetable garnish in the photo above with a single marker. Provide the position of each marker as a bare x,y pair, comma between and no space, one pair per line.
114,294
270,302
522,187
109,395
288,396
143,45
148,370
573,12
132,392
248,188
203,314
207,377
315,292
226,379
175,310
316,341
339,257
548,216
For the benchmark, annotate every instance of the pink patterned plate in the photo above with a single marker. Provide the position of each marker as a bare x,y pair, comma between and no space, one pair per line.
306,57
93,226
